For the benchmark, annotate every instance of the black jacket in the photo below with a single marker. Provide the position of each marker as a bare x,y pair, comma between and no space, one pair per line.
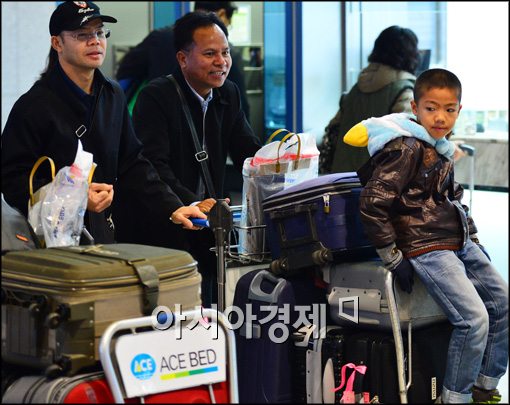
44,121
412,199
155,57
161,125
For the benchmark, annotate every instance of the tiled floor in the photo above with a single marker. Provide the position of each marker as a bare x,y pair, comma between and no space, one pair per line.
490,212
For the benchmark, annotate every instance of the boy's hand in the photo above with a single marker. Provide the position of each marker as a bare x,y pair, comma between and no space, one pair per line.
404,272
391,255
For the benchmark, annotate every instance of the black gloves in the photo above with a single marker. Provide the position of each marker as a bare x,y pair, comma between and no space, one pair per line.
404,273
391,255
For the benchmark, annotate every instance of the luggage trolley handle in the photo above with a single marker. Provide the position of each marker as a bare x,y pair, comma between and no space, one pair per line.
397,337
470,151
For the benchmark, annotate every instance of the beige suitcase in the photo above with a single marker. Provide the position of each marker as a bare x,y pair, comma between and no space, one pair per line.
57,302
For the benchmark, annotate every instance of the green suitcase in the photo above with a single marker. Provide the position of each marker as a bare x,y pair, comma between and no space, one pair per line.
57,302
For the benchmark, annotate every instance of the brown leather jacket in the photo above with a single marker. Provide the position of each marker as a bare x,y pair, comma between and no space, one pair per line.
410,198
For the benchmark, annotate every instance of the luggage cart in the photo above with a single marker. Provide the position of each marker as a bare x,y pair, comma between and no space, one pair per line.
470,151
138,327
397,336
225,229
381,306
404,382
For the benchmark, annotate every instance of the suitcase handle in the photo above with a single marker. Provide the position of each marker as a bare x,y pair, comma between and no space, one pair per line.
34,197
292,211
255,292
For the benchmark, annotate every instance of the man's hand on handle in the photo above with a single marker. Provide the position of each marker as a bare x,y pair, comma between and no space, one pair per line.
180,216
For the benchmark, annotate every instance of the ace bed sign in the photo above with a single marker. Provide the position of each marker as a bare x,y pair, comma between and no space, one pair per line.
160,361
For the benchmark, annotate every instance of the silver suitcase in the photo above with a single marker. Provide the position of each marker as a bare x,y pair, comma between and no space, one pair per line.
365,294
362,285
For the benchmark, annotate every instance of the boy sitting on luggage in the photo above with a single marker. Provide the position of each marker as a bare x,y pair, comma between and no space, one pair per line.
411,210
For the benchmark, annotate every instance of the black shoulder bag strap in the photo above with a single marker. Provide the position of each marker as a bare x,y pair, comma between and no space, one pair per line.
200,155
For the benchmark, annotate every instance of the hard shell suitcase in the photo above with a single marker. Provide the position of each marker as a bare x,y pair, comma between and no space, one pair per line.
265,364
37,389
92,388
426,364
314,222
357,297
57,302
319,356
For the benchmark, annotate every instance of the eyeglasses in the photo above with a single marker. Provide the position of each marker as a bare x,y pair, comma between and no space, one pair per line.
102,33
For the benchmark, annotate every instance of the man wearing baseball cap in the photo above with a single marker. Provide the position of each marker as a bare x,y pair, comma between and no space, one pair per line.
72,15
71,101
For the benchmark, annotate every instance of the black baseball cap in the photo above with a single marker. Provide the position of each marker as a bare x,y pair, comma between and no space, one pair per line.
71,15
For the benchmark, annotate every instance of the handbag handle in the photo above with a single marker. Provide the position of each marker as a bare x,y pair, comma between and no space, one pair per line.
52,167
91,173
32,173
289,135
273,135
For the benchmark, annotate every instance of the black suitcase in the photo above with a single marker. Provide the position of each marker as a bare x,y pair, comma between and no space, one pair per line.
376,350
264,364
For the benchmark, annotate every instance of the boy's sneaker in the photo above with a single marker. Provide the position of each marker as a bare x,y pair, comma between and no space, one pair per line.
481,396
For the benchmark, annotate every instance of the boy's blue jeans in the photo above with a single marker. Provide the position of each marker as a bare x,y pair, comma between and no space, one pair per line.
475,298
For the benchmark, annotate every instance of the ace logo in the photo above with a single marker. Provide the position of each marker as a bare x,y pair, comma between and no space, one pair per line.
143,366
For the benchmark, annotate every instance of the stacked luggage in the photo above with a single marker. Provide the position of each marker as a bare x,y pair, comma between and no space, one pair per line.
323,324
316,222
57,302
270,307
317,239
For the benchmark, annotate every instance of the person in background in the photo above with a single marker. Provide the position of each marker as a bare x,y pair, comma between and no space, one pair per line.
73,100
411,211
385,86
203,55
155,55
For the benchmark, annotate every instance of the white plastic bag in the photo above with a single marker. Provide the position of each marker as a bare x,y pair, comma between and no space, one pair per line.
275,167
63,207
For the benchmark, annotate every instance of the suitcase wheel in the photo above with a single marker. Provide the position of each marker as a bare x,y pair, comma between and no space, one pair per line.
322,256
278,266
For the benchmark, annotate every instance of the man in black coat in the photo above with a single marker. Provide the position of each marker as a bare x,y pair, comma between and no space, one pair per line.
73,100
160,123
155,55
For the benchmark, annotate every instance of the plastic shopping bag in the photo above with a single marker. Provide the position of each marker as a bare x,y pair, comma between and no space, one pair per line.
61,210
275,167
